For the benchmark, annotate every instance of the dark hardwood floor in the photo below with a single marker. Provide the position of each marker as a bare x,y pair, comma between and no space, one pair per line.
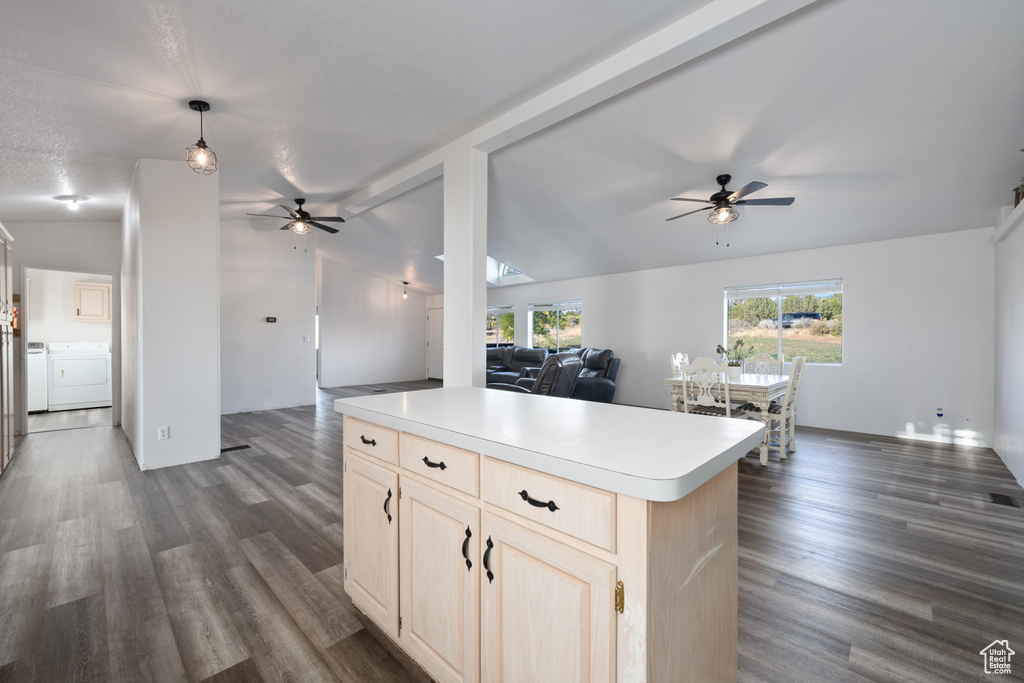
861,559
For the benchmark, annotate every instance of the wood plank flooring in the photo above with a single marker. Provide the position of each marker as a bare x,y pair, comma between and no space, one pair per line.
68,419
861,559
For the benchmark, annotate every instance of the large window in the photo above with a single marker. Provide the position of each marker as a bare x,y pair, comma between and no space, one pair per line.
794,319
557,327
500,325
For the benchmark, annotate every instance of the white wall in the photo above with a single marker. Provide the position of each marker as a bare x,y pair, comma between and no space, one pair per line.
918,330
78,246
368,333
49,307
173,270
266,365
1009,325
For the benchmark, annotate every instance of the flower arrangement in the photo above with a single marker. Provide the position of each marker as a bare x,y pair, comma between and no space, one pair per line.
733,356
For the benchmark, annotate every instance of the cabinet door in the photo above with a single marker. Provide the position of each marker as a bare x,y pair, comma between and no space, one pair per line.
547,609
371,540
92,301
440,583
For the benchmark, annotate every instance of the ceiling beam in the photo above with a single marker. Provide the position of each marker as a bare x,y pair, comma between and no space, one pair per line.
711,27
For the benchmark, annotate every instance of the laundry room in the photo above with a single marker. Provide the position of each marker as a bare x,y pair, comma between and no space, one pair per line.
68,338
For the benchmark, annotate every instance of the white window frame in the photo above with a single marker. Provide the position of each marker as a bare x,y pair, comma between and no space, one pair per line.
554,306
496,311
779,291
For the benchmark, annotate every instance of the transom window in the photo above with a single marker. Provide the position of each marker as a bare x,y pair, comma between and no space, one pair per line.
557,326
792,319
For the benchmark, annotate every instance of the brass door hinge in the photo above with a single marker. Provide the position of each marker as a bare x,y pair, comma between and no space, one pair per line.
399,623
620,597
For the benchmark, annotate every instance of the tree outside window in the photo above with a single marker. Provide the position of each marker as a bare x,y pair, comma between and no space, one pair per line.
557,327
500,326
794,319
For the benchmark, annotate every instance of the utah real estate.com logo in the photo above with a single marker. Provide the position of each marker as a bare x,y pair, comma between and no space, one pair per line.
997,657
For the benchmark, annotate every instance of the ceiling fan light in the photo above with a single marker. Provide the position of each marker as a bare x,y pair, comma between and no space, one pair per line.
723,215
299,228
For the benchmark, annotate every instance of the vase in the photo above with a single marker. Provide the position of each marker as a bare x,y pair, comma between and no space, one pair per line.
735,371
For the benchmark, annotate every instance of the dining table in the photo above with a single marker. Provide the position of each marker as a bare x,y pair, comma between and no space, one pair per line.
759,390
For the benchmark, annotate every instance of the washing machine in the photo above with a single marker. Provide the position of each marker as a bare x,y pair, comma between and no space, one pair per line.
35,366
78,375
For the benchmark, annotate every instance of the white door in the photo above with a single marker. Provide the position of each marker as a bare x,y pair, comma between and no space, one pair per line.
435,343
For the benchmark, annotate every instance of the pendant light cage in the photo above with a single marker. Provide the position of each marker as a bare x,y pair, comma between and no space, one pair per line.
201,158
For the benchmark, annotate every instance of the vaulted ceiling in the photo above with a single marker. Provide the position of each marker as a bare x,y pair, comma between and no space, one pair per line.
883,119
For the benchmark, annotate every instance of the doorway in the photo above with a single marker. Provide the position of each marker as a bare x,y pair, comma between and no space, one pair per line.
68,338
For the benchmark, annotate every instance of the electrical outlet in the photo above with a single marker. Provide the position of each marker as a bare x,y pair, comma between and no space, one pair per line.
305,337
163,433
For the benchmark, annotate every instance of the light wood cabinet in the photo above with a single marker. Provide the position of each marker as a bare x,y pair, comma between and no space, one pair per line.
371,539
91,302
440,582
547,609
502,587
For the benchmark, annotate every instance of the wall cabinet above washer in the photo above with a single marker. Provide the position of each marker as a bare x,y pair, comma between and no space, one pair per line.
92,302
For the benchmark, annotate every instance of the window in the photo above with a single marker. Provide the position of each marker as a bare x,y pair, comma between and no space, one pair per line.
500,325
557,327
794,319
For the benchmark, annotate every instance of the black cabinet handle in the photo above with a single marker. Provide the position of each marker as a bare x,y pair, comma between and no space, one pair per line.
434,464
368,442
487,560
550,505
465,550
387,502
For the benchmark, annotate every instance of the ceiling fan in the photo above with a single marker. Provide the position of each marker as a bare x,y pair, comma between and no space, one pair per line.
722,202
300,220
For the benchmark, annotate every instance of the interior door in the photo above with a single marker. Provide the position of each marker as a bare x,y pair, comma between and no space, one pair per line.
435,343
371,540
547,609
440,583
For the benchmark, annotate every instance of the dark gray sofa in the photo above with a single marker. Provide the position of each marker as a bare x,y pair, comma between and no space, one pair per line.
597,375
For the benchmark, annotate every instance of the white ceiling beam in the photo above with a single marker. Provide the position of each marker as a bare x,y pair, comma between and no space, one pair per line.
709,28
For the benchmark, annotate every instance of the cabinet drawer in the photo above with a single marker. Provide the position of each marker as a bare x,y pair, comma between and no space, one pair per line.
580,511
371,439
444,464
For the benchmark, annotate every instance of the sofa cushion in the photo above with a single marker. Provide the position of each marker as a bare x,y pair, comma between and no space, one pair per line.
526,358
595,362
498,355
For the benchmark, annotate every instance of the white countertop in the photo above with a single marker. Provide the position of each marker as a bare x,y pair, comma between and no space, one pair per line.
650,454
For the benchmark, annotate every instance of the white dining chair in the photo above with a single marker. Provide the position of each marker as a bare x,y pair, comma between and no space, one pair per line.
782,414
763,364
678,361
702,380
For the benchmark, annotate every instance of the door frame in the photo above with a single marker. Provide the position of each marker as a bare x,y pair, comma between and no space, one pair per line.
115,341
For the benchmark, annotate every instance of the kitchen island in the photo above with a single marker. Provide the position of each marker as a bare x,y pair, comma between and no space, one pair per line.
509,537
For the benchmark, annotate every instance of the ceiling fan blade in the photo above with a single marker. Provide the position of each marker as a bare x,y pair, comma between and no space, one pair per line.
294,214
329,219
707,208
266,215
690,199
323,227
778,201
286,227
745,190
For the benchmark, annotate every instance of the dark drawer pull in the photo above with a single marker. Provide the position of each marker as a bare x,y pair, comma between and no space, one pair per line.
550,505
465,550
487,560
387,502
434,464
368,442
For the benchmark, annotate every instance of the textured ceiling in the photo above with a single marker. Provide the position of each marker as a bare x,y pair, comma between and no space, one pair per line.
883,120
312,98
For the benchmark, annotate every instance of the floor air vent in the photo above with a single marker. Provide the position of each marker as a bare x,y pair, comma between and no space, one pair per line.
244,446
1002,499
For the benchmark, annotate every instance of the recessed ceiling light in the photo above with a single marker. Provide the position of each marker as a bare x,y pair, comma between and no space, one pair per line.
72,200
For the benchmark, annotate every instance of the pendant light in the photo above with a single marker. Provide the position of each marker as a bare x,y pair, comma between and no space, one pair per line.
200,157
405,289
